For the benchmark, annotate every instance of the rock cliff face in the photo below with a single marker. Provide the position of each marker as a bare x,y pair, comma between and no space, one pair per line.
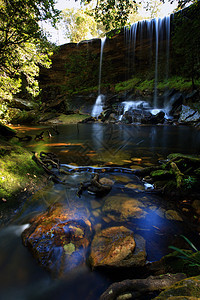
76,66
145,51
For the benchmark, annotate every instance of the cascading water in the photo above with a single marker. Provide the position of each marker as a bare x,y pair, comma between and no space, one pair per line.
157,21
167,53
155,35
98,106
133,105
138,110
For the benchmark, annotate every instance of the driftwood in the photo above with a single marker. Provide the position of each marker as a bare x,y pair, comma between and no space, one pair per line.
137,287
45,160
39,137
94,187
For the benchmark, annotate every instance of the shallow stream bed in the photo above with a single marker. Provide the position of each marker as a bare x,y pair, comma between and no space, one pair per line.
97,145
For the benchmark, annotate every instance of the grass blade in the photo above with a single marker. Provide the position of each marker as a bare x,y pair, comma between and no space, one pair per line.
190,243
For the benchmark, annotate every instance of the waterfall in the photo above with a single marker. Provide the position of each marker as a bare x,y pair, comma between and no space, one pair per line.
100,65
147,31
138,109
167,52
133,105
156,62
98,106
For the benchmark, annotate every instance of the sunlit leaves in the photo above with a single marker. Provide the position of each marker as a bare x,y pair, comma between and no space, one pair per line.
79,24
22,45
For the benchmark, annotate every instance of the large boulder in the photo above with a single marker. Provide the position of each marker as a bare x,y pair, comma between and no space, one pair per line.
7,132
154,119
21,104
59,238
117,247
188,115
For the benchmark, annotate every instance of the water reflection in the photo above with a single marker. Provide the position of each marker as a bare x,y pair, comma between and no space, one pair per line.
98,143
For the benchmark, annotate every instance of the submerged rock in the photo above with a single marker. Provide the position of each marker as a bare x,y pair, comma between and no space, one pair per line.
121,209
59,238
117,247
173,215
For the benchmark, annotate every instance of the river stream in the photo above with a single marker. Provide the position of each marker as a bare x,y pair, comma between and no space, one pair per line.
122,147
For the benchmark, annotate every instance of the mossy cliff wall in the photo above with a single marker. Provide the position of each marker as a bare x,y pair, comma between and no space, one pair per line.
75,67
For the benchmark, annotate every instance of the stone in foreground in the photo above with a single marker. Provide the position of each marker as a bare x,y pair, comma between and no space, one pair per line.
59,238
116,247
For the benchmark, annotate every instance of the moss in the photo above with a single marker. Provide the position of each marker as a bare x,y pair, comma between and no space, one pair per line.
138,84
146,85
178,83
69,248
17,170
187,156
126,85
161,174
186,287
68,119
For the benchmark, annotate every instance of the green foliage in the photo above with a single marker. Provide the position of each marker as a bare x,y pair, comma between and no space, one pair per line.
146,85
23,62
189,182
22,45
80,25
126,85
176,82
186,42
135,83
116,14
191,259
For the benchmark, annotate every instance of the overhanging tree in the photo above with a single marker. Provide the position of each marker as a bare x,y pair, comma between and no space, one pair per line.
22,44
